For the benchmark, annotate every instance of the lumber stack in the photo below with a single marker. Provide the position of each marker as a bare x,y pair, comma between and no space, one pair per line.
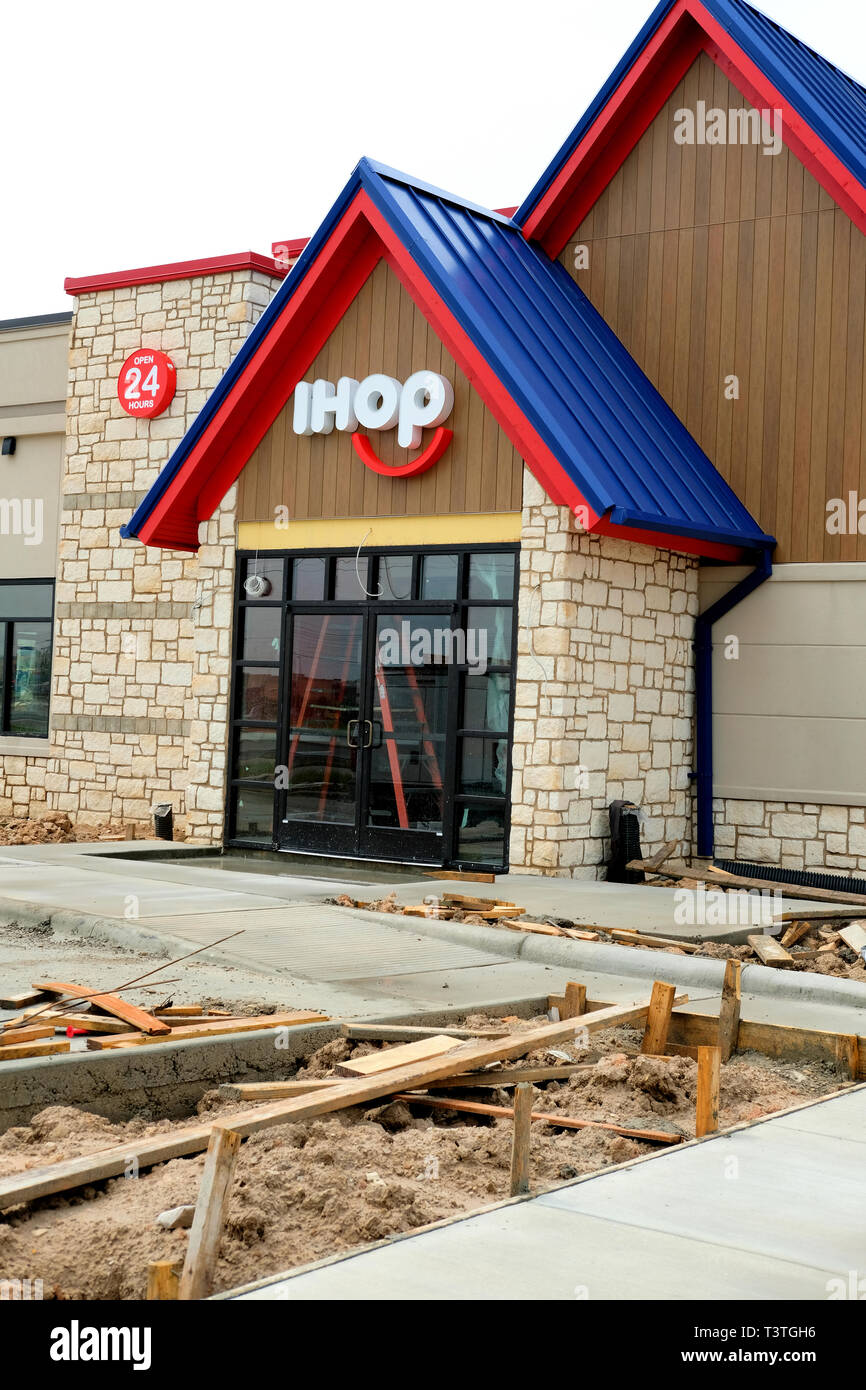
108,1021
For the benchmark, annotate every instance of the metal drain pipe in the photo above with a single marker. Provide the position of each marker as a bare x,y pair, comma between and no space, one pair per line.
703,646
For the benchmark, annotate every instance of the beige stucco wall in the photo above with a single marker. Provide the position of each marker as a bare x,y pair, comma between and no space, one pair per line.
788,694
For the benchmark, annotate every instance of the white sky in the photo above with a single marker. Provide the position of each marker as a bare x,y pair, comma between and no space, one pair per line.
134,134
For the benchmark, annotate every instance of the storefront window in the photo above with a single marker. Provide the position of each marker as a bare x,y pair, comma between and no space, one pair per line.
25,658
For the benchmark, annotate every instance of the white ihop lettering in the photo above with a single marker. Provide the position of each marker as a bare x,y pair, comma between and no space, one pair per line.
379,402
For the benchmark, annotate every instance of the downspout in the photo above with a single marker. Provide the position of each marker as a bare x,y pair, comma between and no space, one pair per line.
703,645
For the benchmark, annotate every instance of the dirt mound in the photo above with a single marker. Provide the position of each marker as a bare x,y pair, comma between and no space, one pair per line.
53,828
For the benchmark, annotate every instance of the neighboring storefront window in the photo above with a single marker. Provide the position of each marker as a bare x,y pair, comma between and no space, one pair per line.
372,704
26,609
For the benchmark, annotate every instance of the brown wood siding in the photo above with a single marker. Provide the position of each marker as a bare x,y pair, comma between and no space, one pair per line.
712,260
320,476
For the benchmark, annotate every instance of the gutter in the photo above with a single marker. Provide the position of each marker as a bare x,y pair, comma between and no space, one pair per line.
703,647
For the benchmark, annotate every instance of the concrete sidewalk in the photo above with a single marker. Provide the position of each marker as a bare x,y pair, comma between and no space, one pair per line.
770,1211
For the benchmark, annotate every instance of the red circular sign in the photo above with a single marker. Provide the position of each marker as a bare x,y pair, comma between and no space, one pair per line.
146,383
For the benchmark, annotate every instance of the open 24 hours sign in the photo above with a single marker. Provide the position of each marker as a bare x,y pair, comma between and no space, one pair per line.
147,382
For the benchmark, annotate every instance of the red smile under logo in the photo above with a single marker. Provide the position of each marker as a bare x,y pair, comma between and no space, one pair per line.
432,454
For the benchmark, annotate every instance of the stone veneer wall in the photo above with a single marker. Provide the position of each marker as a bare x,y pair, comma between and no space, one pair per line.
142,636
792,835
604,695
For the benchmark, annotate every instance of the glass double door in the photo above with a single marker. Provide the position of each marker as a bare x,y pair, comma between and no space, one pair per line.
367,724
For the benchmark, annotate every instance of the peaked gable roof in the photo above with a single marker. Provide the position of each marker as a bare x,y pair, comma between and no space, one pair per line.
591,427
823,109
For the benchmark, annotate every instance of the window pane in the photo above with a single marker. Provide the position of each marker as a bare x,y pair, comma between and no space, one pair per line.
25,600
309,578
489,636
439,576
346,585
481,835
256,755
484,766
31,678
262,634
491,576
269,569
486,701
395,577
254,818
259,693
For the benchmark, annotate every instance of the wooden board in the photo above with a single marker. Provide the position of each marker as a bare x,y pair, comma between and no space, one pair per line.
769,950
210,1213
276,1090
520,1139
472,1107
796,931
788,890
212,1030
658,1019
44,1047
24,1034
854,937
624,934
729,1008
510,1076
707,1104
386,1032
21,1001
398,1056
458,875
109,1003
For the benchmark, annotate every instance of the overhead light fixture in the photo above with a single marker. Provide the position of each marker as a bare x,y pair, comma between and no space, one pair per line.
9,444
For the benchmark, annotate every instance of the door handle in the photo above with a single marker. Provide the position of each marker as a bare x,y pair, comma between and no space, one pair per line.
368,742
353,723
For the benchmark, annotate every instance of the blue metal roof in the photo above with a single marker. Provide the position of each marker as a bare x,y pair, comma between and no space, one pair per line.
830,101
616,438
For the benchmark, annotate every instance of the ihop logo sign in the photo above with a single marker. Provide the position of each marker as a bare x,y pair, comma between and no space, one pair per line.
379,402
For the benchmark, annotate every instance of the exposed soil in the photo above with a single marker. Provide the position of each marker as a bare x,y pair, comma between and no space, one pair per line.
56,828
306,1190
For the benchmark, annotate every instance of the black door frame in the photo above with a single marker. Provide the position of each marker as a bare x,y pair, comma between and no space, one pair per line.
454,801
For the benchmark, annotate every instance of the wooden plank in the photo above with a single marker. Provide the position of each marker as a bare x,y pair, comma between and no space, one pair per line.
214,1030
533,928
729,1009
636,938
92,1023
520,1139
788,890
95,1167
24,1034
44,1047
469,1057
397,1032
21,1001
655,861
109,1003
658,1019
474,904
210,1212
832,914
398,1056
510,1076
174,1009
709,1074
276,1090
456,875
162,1280
573,1001
854,937
770,951
474,1107
429,910
795,931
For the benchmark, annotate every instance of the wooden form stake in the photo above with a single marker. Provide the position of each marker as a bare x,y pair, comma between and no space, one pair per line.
709,1075
848,1056
574,1001
210,1210
162,1279
655,1034
729,1009
520,1139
